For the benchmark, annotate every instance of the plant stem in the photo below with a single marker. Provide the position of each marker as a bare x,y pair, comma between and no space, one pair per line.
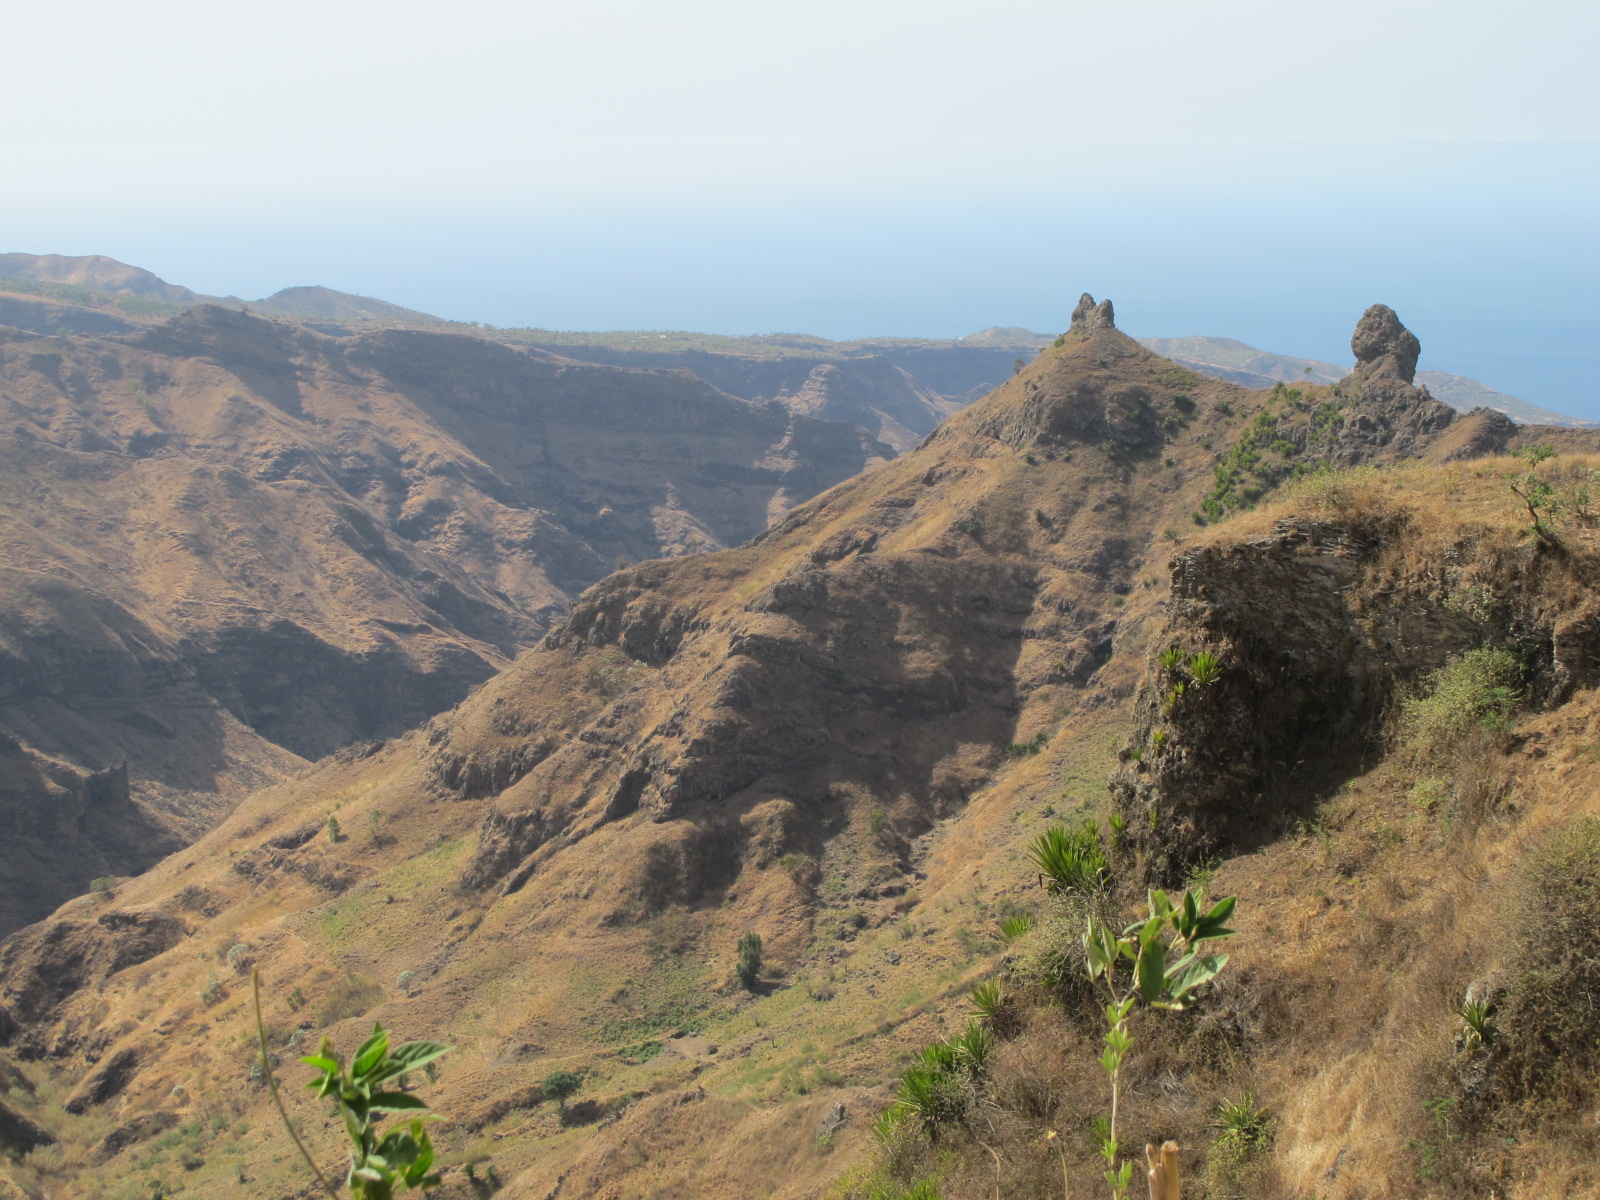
272,1086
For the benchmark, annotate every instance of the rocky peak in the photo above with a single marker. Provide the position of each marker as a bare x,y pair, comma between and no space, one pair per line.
1384,348
1089,316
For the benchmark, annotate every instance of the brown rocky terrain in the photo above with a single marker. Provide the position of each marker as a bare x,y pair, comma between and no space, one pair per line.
841,735
897,388
234,545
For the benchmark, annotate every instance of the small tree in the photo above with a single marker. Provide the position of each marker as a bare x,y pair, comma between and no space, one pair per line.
398,1159
1535,492
559,1085
1166,966
748,969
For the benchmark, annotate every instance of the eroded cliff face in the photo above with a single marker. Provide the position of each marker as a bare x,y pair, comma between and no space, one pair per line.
1319,625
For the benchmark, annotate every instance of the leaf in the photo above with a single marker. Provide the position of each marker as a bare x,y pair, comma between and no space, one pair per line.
1152,971
1201,970
1214,923
394,1102
371,1052
410,1057
1191,915
322,1063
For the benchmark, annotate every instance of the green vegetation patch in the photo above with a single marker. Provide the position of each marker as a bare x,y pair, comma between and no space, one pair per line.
1476,693
1277,445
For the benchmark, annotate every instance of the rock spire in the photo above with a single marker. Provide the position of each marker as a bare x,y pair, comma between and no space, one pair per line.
1089,316
1384,348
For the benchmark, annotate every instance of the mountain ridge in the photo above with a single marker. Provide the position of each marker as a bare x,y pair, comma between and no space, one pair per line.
838,734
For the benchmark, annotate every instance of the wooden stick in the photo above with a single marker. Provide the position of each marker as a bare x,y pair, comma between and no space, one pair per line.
1169,1171
1155,1176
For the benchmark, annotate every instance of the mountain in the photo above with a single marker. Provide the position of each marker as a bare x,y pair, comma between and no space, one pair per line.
328,305
234,545
1226,358
842,735
94,271
898,388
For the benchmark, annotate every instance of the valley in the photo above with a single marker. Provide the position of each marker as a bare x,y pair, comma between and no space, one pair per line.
843,734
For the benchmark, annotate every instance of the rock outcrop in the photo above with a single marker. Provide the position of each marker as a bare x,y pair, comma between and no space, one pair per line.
1087,316
1384,348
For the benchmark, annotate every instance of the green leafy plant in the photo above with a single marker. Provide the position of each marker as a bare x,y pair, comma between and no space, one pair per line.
400,1158
748,969
1014,926
1159,962
1477,1026
1204,668
1243,1126
988,1001
1477,691
333,829
1028,748
1171,659
936,1089
1070,860
1535,492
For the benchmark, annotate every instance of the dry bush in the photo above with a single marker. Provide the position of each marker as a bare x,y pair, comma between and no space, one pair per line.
1550,1018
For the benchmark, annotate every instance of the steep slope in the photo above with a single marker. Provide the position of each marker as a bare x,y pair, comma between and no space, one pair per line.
838,735
233,544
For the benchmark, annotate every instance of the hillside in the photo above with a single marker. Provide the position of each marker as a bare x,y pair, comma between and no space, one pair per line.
233,546
897,388
842,735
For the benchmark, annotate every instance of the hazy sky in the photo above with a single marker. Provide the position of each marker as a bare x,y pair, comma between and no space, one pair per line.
1262,170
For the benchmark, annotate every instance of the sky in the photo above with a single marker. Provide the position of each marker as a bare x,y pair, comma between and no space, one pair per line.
1256,170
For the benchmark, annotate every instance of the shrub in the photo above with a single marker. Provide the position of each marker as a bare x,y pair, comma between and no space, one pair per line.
333,829
1478,692
1028,748
239,957
1204,667
560,1086
748,969
1071,861
1244,1133
1549,1021
988,1001
351,996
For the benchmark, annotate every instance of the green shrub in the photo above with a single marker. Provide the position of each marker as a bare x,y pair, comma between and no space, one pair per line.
1070,861
1244,1132
1028,748
748,969
1476,694
988,1001
1204,668
560,1085
1014,926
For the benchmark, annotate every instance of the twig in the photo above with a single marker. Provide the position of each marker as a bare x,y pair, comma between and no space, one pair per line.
272,1086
